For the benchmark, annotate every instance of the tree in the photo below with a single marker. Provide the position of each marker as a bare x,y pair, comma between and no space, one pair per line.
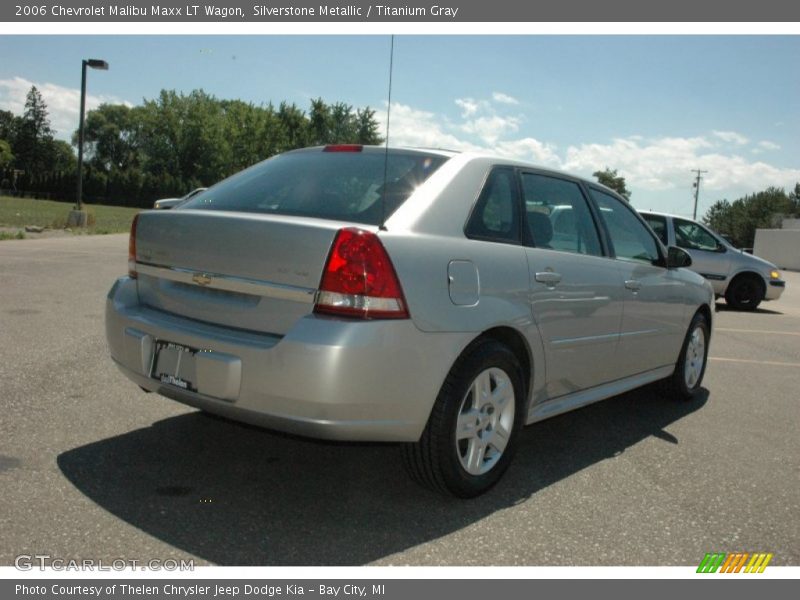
720,217
320,123
367,127
36,115
739,219
110,140
609,178
63,159
337,123
292,127
9,125
203,150
6,157
794,197
249,131
176,142
34,135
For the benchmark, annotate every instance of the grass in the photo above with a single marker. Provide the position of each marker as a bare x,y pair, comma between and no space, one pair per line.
19,212
7,235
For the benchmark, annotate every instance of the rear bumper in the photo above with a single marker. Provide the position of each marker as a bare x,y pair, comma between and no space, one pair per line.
326,378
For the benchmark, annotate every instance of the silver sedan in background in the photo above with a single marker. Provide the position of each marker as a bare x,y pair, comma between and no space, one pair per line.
167,203
415,296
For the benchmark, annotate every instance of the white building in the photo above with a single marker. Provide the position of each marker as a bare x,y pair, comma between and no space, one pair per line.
780,246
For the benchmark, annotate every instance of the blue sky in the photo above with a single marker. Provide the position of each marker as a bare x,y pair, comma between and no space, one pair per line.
654,107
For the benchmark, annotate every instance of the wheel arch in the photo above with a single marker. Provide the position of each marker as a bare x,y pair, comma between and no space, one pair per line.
747,273
516,342
705,310
434,461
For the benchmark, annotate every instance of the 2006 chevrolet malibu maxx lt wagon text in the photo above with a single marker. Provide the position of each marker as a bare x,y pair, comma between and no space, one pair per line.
416,296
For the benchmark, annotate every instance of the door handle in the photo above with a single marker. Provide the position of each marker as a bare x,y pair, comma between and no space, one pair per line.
548,278
633,285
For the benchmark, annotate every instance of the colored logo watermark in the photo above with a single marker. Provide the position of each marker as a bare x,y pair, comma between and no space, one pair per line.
737,562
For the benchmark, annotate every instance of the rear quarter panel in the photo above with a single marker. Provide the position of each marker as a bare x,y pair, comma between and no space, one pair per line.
427,233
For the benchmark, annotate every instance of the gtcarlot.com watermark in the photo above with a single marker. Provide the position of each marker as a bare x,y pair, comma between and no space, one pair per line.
29,562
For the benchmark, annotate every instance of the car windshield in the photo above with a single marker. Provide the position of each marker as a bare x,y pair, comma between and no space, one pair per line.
362,187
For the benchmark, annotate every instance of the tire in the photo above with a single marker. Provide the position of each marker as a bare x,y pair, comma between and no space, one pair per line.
685,381
745,292
471,434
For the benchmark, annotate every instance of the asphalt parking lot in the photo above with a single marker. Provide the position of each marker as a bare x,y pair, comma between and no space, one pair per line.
91,467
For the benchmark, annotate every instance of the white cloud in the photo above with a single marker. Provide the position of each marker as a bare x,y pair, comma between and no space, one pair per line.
529,149
502,98
643,164
766,145
649,165
63,104
413,127
490,128
736,172
731,137
666,164
468,106
484,122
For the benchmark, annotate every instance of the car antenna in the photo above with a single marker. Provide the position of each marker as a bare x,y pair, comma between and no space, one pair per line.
386,149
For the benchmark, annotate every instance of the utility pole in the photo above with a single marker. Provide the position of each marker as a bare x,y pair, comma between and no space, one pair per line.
696,186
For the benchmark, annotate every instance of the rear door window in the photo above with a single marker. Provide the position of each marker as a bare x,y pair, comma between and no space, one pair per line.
362,187
558,216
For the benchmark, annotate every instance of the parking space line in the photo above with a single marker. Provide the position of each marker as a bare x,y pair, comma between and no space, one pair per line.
757,331
757,362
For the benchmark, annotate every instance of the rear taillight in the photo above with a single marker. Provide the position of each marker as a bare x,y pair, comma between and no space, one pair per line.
132,250
359,279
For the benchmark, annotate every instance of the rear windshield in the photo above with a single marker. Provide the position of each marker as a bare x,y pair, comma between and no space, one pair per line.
342,186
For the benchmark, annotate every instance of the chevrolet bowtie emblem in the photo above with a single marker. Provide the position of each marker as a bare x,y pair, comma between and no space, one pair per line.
201,278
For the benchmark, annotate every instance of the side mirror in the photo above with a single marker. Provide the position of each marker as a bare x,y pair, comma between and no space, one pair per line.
678,257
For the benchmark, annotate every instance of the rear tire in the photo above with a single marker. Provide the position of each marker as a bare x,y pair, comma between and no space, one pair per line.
745,292
685,381
472,431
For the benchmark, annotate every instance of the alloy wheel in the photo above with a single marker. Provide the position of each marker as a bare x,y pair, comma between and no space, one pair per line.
695,358
485,421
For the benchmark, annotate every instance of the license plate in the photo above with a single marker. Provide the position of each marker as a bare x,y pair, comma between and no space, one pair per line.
174,364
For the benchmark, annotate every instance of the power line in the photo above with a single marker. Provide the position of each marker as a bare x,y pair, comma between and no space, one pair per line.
696,186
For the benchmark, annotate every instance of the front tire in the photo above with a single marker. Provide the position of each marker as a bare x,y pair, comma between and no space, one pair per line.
745,292
691,366
471,435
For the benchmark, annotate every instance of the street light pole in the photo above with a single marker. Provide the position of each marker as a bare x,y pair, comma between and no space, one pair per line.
94,64
79,203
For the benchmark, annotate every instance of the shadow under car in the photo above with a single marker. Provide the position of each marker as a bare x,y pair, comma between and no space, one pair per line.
233,494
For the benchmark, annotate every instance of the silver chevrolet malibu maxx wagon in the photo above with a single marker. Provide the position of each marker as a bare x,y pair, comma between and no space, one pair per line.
416,296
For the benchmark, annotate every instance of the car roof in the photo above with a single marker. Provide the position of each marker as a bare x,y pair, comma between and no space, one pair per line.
372,148
451,153
663,214
505,160
502,160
